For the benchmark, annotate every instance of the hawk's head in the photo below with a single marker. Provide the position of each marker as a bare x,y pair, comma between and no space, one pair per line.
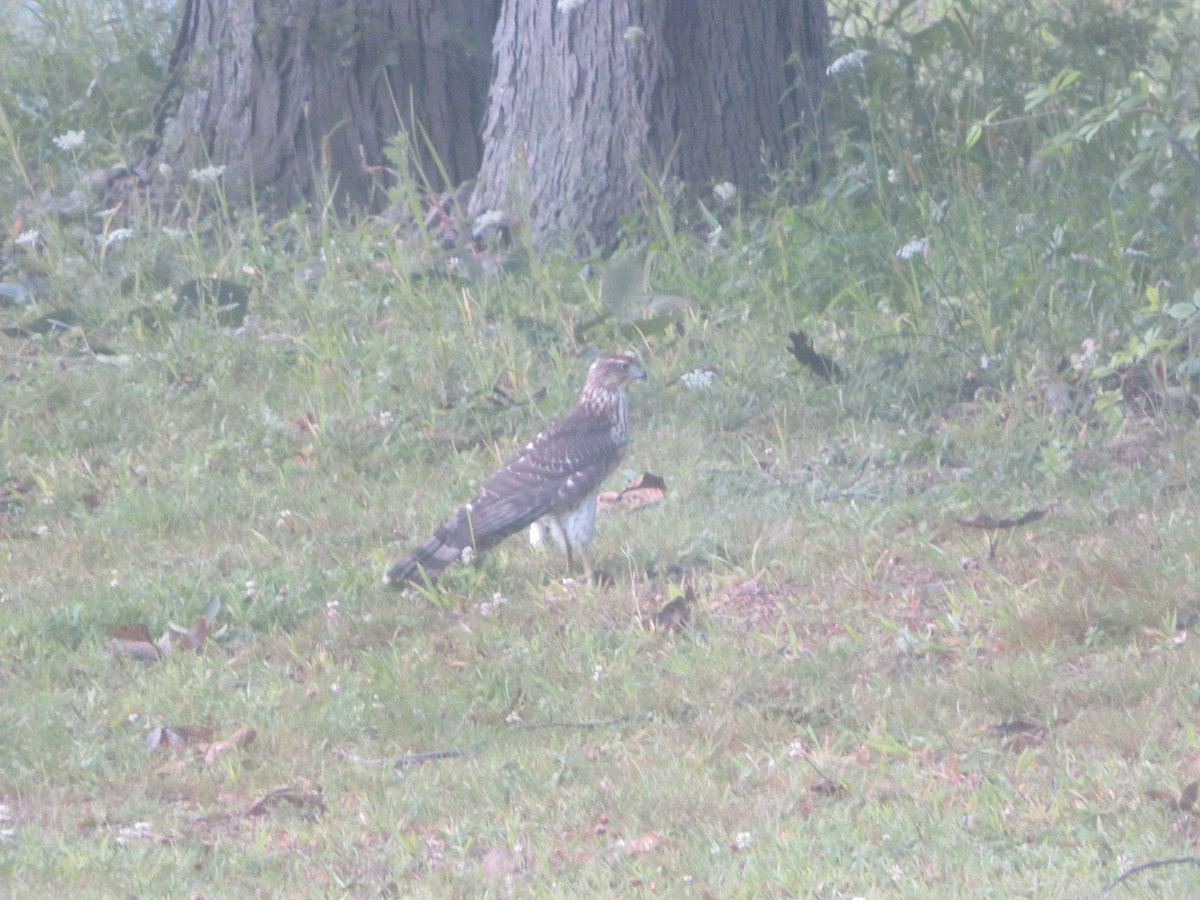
613,372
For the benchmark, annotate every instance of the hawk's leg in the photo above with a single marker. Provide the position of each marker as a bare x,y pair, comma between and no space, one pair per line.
588,574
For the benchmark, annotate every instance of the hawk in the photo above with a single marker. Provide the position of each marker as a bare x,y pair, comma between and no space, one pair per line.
550,483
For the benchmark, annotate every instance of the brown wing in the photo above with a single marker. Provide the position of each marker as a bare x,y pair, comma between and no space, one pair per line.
557,469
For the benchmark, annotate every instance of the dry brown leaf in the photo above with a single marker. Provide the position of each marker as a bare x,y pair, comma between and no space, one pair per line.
142,651
499,861
136,631
1187,797
1184,801
828,788
303,794
1019,735
134,640
173,766
177,736
243,737
676,614
644,843
194,638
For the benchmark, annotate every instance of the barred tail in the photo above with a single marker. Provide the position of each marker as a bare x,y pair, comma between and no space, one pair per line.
425,563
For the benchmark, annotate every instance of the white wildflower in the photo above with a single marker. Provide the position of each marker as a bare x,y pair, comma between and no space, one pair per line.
116,236
698,379
29,237
70,140
742,841
852,60
177,234
468,554
915,247
487,607
726,192
566,6
893,176
208,175
108,213
489,219
634,36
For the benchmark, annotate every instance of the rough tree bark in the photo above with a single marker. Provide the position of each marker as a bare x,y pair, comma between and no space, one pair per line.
588,98
292,97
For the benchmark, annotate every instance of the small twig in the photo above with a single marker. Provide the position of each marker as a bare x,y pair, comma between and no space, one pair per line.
428,756
408,759
817,769
1153,864
855,494
991,523
587,726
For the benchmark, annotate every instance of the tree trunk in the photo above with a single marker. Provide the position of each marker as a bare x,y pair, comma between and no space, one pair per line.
587,101
299,99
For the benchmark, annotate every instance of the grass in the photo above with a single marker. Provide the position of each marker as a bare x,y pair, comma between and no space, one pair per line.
871,698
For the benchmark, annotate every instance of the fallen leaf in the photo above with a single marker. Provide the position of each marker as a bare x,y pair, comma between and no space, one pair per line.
303,794
1187,797
676,614
132,632
142,651
498,862
1019,735
644,844
1184,801
243,737
828,788
193,639
134,640
177,737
